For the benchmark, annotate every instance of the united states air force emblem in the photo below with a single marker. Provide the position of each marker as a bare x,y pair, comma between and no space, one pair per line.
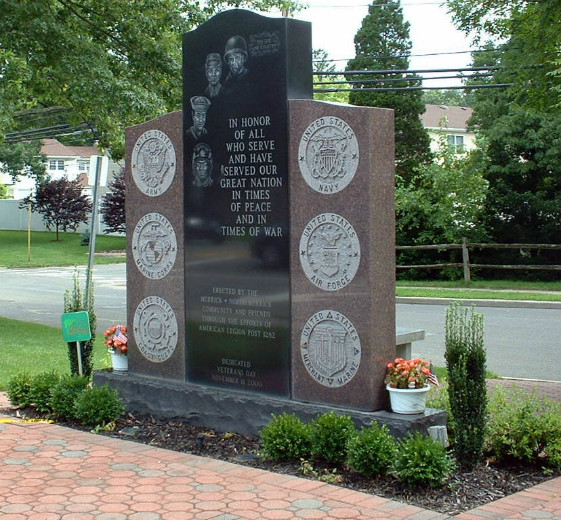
154,246
328,154
153,163
155,329
329,251
330,348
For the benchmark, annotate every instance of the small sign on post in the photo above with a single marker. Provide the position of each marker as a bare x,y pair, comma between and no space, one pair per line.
76,328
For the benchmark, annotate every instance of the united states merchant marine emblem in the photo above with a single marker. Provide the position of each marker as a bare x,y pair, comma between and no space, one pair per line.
153,163
155,329
154,246
329,251
328,154
330,348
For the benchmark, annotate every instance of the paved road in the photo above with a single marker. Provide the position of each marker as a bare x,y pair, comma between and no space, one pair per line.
521,342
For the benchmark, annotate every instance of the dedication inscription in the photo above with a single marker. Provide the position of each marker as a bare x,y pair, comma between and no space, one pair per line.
330,348
328,154
153,163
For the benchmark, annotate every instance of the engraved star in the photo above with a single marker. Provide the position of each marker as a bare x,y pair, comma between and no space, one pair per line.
355,155
302,253
301,158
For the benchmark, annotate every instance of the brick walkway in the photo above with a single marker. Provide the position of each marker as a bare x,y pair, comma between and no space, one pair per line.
49,472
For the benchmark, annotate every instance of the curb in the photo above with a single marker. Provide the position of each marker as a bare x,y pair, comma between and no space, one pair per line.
480,303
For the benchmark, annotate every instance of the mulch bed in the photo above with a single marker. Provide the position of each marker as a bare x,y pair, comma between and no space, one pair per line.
464,491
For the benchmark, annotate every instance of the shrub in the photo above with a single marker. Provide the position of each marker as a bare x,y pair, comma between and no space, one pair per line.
18,390
98,405
372,450
65,393
465,360
41,390
420,460
286,437
329,434
524,426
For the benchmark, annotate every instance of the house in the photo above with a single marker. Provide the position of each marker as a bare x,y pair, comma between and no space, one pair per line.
452,122
74,162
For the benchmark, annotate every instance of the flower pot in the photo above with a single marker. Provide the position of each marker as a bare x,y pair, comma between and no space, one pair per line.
120,362
408,400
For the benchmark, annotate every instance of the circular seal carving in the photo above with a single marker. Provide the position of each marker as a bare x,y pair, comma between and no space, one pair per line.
330,348
329,251
153,162
155,329
328,154
154,246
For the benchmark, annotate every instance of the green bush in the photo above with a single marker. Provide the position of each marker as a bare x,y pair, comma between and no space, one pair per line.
371,451
98,405
420,460
65,393
18,390
286,437
329,435
467,389
524,426
41,390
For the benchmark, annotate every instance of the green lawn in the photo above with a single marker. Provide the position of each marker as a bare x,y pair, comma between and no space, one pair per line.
33,348
45,251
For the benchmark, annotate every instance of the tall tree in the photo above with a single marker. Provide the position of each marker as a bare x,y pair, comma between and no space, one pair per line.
382,44
332,82
113,205
114,63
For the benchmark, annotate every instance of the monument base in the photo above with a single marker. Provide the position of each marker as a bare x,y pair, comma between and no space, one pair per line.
241,412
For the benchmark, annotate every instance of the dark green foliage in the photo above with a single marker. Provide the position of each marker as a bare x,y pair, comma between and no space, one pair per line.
330,434
524,426
372,450
65,393
18,390
466,360
112,207
98,405
76,301
61,203
422,461
16,158
41,390
286,437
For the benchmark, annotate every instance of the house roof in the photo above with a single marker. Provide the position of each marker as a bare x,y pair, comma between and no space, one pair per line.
54,148
442,116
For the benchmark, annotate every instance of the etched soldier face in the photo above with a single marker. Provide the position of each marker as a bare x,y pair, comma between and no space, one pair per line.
199,120
236,62
213,73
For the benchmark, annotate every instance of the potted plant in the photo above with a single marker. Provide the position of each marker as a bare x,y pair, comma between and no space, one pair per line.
117,343
407,381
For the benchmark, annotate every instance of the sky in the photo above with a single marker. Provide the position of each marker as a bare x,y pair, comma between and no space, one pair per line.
335,23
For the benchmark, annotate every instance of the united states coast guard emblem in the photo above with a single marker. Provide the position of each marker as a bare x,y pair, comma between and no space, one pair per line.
329,251
155,329
153,163
154,246
328,154
330,348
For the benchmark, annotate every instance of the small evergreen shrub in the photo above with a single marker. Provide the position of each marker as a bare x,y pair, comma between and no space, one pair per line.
524,426
371,451
329,435
420,460
98,405
18,390
286,437
41,390
65,394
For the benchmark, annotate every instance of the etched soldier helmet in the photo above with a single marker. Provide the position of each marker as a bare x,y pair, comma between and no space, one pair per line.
200,104
202,152
213,59
235,44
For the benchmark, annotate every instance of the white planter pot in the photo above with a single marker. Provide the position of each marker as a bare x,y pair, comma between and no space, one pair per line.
408,400
120,362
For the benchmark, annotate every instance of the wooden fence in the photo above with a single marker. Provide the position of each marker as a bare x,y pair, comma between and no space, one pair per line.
465,246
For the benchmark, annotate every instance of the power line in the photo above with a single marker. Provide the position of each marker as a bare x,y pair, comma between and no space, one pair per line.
403,89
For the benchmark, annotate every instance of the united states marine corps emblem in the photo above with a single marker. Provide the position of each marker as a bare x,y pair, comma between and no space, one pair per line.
330,348
328,154
153,163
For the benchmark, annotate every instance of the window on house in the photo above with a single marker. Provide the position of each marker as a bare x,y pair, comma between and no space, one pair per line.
456,142
56,164
83,166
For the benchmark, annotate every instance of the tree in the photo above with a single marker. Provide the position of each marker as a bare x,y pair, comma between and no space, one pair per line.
321,64
449,97
113,205
382,44
112,63
61,203
3,191
23,158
